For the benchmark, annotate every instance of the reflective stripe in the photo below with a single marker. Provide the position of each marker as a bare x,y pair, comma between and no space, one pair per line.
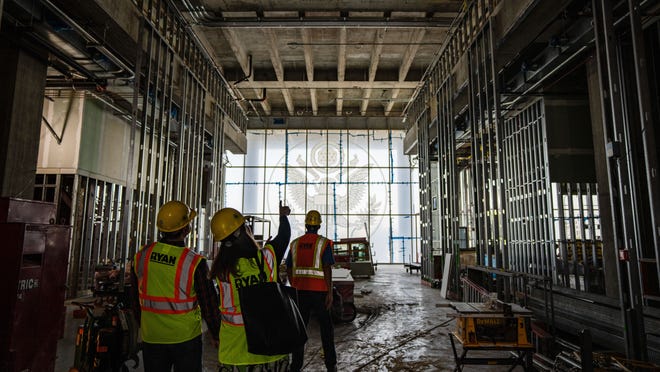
166,307
191,271
141,266
309,272
320,243
233,318
317,269
229,309
185,274
230,314
226,294
170,309
269,261
180,302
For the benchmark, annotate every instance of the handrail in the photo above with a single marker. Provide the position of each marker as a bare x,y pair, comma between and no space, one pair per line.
472,292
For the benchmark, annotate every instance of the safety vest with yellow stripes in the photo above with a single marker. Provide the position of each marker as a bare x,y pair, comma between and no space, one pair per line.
233,341
170,311
306,255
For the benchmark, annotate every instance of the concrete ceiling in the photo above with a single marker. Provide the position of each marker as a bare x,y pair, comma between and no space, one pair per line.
322,58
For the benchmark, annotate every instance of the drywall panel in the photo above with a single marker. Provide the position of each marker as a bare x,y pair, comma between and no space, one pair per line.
59,140
104,145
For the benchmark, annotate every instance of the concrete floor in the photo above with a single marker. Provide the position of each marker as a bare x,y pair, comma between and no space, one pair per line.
401,325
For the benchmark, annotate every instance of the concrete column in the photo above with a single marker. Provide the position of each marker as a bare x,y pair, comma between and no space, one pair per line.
610,257
23,80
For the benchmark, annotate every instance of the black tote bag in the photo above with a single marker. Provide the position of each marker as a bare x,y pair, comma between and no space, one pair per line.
273,323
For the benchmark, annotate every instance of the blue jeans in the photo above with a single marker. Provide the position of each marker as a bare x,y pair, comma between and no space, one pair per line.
184,357
314,302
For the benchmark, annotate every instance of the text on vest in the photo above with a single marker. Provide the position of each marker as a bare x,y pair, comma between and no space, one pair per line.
162,258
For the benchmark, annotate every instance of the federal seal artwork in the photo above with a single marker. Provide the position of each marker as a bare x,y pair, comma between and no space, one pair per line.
331,181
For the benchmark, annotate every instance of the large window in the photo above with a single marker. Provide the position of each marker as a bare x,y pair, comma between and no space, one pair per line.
360,181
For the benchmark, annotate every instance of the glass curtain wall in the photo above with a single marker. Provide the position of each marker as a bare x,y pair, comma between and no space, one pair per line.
359,180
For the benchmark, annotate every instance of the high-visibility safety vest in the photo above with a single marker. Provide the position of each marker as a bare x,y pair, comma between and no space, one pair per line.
170,312
233,341
306,255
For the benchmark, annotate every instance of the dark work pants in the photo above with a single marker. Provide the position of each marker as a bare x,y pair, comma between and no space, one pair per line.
184,357
314,302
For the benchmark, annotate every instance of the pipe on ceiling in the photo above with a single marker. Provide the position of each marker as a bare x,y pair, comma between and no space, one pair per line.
93,42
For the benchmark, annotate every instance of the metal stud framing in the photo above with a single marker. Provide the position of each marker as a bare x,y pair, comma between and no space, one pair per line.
181,105
625,133
471,33
577,240
551,230
485,121
448,182
527,186
420,114
185,104
96,233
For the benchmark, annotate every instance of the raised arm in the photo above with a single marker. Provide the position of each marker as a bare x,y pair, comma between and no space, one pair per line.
281,242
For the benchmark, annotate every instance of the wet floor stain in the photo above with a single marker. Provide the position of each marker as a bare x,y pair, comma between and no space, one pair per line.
401,325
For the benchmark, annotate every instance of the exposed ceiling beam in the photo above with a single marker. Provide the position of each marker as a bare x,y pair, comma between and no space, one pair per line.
373,66
443,22
341,68
328,84
239,52
243,60
329,122
341,72
436,6
277,66
309,65
348,112
406,62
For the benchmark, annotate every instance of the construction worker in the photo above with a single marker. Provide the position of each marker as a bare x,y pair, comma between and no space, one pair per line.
236,265
309,269
173,288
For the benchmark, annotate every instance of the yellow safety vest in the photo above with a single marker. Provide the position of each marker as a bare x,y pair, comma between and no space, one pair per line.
233,342
170,312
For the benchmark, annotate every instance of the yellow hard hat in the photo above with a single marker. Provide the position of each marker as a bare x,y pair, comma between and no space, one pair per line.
225,222
313,218
173,216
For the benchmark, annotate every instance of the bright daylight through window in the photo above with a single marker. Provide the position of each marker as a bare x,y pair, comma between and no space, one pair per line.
361,182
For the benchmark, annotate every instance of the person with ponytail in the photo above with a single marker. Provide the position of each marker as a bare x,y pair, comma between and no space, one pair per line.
235,266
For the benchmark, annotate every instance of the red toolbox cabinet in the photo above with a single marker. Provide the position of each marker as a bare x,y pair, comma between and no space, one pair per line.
32,283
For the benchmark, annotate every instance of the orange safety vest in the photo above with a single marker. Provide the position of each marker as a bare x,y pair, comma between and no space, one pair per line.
170,311
306,255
